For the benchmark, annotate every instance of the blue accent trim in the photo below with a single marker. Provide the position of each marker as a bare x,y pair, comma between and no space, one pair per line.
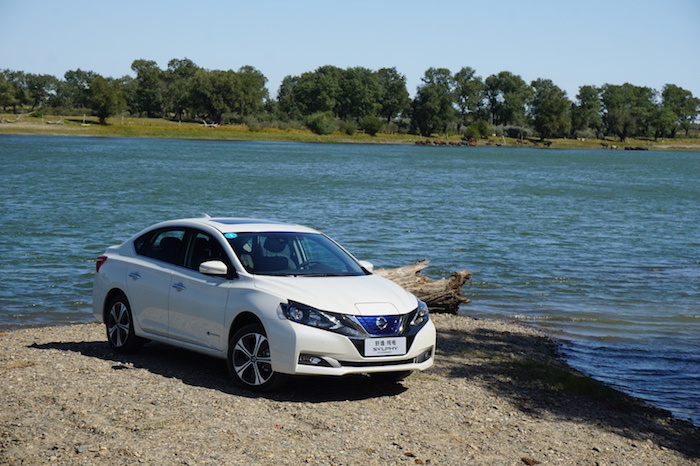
370,324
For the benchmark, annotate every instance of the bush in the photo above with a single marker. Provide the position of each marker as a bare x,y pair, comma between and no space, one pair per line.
391,128
518,132
321,123
484,128
284,124
470,132
403,125
253,124
372,125
229,119
348,127
585,134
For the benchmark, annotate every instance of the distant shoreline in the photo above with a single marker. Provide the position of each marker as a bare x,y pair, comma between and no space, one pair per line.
166,129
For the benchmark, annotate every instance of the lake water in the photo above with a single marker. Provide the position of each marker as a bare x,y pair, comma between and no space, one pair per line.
600,248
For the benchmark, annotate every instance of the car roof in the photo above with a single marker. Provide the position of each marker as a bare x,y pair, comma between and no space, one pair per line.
237,225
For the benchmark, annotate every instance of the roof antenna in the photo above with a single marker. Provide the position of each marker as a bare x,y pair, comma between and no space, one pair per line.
206,215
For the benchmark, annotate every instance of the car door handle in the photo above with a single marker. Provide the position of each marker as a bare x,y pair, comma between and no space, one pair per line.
179,286
135,275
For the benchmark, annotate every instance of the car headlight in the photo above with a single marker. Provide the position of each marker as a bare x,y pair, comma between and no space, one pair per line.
331,321
422,315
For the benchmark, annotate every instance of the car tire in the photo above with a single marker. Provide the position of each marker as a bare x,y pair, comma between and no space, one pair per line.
120,326
249,361
389,377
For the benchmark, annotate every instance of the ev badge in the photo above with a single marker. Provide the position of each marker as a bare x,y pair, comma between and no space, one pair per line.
381,322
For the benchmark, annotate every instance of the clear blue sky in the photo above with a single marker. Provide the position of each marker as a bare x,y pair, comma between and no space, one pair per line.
573,43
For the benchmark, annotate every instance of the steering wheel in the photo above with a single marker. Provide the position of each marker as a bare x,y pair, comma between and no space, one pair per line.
308,263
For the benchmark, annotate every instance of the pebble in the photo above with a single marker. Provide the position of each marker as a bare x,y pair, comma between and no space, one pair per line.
78,403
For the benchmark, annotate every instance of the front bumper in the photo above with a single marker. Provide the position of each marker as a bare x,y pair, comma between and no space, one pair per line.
304,350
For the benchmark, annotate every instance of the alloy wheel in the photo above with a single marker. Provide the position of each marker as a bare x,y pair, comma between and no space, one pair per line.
251,359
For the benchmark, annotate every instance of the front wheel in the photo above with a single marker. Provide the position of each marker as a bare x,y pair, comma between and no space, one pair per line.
120,326
249,361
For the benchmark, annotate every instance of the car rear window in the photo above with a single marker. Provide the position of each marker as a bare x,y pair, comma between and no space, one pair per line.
165,245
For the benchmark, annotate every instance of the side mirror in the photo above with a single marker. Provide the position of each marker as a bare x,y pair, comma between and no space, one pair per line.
217,268
368,266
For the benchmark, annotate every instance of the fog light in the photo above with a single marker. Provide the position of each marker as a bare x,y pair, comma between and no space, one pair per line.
424,356
312,360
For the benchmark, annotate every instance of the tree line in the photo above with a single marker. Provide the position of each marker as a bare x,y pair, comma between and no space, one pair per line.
330,99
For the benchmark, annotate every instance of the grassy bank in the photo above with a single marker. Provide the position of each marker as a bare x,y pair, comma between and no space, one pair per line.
159,128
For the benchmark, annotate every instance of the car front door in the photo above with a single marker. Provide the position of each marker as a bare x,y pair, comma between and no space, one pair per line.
197,304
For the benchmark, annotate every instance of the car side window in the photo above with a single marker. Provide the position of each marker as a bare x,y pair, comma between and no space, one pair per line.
165,245
204,248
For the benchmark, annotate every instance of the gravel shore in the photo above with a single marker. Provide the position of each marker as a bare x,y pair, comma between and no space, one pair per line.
498,394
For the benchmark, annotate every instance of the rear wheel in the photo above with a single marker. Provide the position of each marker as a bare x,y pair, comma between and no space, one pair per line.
120,326
249,361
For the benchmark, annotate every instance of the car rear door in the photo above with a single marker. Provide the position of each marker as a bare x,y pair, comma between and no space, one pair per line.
149,277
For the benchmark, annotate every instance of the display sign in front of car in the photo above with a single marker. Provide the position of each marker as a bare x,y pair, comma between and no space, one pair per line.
273,299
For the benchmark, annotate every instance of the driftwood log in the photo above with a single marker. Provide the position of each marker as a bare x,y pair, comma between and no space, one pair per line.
7,120
443,295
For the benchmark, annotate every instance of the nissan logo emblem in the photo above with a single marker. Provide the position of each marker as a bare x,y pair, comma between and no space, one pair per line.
381,322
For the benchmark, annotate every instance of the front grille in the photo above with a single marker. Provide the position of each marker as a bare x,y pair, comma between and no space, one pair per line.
372,324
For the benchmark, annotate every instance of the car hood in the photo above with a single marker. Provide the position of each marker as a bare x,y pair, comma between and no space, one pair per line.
365,295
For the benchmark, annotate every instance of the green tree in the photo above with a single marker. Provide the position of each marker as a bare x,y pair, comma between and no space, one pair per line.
628,110
149,88
74,90
393,97
682,104
106,98
358,95
664,122
317,91
201,91
129,86
250,92
549,109
178,86
433,109
645,104
586,114
470,92
40,88
285,98
213,93
617,115
8,96
507,95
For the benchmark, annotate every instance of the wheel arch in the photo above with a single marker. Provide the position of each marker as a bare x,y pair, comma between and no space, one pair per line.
242,319
111,294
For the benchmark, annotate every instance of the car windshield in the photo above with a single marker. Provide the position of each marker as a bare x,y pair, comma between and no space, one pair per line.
288,253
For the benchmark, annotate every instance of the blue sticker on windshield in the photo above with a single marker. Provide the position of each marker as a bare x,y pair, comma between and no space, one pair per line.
231,235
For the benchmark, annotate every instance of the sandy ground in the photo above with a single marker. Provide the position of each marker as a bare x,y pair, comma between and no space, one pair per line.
490,399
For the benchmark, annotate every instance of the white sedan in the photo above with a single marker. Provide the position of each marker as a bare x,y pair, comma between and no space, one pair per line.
271,298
